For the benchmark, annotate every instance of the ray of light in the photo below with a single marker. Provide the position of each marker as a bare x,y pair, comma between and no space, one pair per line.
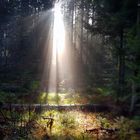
59,30
58,48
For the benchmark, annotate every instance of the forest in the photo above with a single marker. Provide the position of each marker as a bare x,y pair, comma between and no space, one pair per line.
69,69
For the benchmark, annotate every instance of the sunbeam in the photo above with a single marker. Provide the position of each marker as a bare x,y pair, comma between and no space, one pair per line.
58,49
58,31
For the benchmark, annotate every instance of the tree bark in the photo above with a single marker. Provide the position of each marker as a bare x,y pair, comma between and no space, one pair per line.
81,34
121,65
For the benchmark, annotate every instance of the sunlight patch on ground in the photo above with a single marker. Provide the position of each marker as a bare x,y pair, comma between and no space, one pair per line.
70,124
62,98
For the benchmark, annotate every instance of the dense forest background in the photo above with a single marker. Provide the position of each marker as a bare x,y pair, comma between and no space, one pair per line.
104,35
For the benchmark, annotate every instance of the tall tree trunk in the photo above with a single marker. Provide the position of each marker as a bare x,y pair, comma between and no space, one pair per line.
72,19
121,65
138,18
75,23
134,94
81,34
133,97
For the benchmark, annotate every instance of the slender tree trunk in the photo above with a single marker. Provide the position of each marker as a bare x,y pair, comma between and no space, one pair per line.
121,66
74,30
87,32
72,19
138,18
133,97
81,34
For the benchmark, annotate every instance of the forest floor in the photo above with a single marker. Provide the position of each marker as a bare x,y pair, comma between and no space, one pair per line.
67,116
66,125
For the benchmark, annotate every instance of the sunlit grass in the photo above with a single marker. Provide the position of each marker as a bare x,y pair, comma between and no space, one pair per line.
71,125
68,98
62,98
